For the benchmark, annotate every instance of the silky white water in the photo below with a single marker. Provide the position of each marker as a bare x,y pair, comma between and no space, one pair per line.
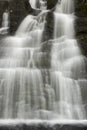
28,88
5,23
38,4
67,62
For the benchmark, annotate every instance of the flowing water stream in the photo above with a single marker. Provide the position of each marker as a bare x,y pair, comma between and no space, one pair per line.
5,23
27,89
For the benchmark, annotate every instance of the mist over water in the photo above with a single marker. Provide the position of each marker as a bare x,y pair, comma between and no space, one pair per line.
28,90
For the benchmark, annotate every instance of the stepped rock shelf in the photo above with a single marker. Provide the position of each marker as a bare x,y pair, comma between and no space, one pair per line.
39,125
43,78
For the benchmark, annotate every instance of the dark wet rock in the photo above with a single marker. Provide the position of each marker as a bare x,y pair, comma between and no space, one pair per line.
81,24
18,10
49,27
45,126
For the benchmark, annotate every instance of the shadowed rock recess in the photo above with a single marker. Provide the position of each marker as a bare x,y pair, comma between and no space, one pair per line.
81,24
45,65
44,126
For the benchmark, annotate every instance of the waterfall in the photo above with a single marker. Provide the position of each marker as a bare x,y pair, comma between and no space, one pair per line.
67,61
38,4
42,80
65,6
5,23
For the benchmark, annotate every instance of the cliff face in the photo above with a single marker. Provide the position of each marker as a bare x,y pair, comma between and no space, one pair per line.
81,24
16,10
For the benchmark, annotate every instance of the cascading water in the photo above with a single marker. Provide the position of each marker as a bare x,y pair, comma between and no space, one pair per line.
38,4
5,23
65,6
67,62
27,89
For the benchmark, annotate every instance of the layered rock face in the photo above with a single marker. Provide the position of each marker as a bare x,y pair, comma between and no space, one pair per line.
81,24
44,126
